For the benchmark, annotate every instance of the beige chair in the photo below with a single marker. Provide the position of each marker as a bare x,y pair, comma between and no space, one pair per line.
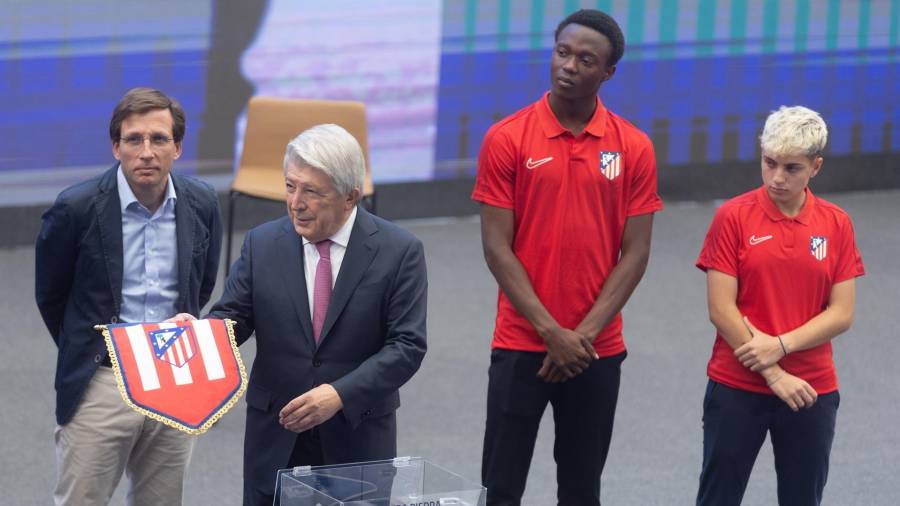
271,124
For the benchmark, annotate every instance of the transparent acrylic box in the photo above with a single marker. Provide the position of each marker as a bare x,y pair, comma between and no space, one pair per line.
404,481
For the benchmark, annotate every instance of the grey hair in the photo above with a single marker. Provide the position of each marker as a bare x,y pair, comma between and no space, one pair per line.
791,131
332,150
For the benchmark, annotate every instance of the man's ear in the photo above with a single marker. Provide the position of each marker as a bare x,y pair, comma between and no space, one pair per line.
353,198
610,71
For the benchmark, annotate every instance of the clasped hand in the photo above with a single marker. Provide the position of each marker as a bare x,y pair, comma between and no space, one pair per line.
569,353
761,354
795,392
761,351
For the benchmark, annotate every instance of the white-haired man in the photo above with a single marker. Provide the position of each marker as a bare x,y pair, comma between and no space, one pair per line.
781,266
336,297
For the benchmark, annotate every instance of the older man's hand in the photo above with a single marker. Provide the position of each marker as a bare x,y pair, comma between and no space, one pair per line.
310,409
181,318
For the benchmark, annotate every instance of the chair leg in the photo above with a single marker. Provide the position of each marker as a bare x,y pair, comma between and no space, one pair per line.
232,196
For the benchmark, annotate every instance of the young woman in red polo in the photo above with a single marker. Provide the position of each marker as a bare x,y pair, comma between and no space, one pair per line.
781,266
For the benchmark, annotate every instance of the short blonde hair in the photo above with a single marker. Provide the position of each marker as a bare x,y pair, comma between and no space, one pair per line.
792,131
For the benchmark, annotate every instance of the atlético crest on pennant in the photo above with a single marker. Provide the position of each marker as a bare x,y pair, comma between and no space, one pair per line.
610,164
185,375
175,345
818,246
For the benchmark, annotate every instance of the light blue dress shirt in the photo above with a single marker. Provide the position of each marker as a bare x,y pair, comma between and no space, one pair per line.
150,257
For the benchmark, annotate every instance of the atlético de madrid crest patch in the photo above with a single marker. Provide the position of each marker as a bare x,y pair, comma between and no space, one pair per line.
175,345
610,164
818,246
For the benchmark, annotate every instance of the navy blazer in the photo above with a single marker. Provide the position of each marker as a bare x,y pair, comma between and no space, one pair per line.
78,270
372,341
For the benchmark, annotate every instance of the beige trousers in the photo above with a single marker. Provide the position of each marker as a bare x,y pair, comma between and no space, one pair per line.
106,437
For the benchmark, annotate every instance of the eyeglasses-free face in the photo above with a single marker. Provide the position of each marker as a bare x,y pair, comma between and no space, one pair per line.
316,208
146,152
786,178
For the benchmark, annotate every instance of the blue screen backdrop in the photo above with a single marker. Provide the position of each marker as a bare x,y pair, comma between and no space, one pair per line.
698,76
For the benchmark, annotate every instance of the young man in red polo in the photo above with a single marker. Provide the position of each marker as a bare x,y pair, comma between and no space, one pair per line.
567,192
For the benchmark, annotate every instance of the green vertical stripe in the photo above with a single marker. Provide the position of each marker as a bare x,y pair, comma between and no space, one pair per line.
537,23
471,16
668,27
862,35
894,32
832,24
503,25
606,6
770,26
570,7
801,26
706,26
738,26
668,20
635,31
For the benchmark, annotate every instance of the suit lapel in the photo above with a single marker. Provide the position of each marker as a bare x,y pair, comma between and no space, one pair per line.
109,221
290,246
184,237
361,250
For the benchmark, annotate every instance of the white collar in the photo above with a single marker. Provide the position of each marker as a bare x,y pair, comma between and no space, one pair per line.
342,236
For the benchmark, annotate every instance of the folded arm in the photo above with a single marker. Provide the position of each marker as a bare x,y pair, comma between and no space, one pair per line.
722,292
764,350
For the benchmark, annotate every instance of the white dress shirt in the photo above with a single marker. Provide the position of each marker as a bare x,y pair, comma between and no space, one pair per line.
311,257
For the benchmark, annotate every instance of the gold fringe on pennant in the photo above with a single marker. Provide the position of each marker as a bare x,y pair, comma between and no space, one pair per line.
117,370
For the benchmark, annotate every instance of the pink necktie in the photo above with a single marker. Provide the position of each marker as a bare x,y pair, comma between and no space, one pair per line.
322,287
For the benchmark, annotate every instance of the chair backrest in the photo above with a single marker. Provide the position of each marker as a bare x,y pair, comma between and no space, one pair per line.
273,122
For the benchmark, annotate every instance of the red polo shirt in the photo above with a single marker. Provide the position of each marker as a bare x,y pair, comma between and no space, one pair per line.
785,268
570,197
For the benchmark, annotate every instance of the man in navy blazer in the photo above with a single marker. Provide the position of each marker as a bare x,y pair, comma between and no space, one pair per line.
337,299
135,243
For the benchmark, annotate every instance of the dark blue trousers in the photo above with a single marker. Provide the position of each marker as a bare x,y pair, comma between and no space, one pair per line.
583,412
735,424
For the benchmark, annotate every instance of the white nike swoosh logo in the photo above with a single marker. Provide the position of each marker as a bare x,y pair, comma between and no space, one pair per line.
531,164
756,240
